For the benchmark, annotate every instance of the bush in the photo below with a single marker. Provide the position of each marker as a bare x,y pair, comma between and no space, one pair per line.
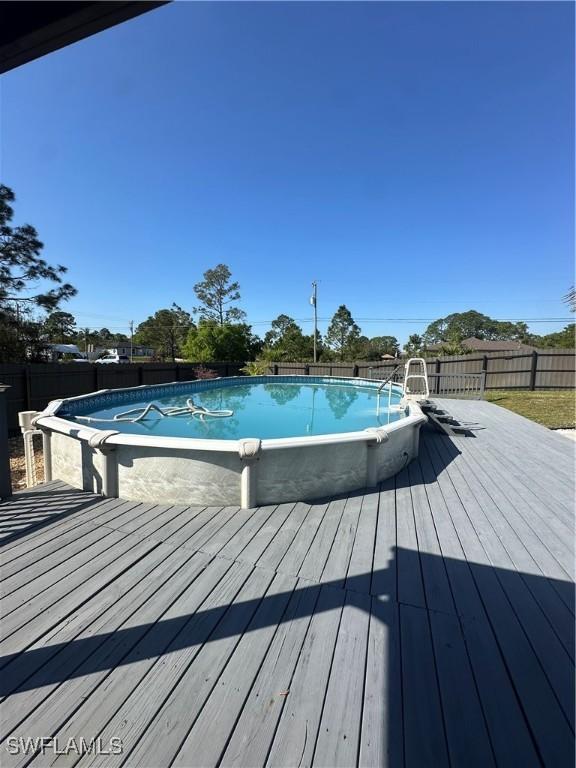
256,368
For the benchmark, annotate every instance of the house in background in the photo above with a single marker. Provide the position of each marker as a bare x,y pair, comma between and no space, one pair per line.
124,348
485,345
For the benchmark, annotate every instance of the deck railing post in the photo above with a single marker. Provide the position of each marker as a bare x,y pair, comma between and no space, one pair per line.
5,481
533,370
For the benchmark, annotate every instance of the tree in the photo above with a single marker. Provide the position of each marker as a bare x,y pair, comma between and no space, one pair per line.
84,338
564,339
286,342
376,347
340,399
281,394
414,345
22,341
165,331
215,293
60,327
343,333
459,326
210,342
24,281
21,267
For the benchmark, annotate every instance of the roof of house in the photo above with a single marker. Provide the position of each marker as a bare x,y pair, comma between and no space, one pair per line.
41,27
486,345
124,345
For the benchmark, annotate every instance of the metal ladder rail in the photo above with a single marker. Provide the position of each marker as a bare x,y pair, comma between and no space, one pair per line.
388,382
389,379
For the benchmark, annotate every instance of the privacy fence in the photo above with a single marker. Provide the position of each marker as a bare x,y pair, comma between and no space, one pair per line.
31,387
541,369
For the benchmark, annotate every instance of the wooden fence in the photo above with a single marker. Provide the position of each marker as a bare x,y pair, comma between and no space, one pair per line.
31,387
541,369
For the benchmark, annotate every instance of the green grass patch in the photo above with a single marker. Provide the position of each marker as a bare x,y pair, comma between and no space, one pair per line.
555,409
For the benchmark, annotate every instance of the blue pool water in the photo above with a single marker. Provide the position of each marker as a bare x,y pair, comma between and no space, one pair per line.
263,410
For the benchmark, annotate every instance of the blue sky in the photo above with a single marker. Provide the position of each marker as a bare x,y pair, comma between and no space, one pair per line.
415,158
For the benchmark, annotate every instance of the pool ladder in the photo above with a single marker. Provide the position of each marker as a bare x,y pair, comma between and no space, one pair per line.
422,375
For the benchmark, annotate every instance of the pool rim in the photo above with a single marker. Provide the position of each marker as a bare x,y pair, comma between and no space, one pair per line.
49,419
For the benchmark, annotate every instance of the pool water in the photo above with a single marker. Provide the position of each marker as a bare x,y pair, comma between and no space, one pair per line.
261,411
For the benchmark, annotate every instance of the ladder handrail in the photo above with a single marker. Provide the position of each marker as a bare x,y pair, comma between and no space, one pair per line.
381,387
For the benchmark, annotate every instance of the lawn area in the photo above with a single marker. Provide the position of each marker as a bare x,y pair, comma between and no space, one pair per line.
552,408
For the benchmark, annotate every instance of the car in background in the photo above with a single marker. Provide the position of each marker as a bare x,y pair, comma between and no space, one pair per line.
112,358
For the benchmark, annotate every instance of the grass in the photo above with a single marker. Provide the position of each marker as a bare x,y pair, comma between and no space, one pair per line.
555,409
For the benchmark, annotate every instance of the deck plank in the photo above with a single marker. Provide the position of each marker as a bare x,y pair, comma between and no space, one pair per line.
159,659
424,736
33,676
295,737
338,740
382,737
384,570
254,731
158,734
226,701
316,557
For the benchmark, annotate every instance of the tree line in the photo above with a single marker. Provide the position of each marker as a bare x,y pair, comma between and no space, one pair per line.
216,328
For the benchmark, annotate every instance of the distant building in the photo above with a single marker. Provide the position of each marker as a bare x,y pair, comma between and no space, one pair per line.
124,348
484,345
64,352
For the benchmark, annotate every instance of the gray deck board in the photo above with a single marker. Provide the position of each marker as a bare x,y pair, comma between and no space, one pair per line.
162,732
226,701
429,621
382,741
338,740
316,557
194,616
30,679
295,737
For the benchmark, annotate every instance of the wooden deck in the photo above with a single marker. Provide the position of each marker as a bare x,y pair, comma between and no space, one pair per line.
429,622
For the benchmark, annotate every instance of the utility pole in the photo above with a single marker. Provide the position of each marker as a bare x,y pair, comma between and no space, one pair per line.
313,301
131,339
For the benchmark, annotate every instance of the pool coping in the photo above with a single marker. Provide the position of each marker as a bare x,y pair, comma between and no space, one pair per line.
248,447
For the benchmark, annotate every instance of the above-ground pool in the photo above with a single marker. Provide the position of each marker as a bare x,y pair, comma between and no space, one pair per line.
242,440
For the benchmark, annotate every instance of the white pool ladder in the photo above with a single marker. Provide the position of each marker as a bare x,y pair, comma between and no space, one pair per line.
422,375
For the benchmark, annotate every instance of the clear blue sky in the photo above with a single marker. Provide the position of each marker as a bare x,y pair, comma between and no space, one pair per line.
416,159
